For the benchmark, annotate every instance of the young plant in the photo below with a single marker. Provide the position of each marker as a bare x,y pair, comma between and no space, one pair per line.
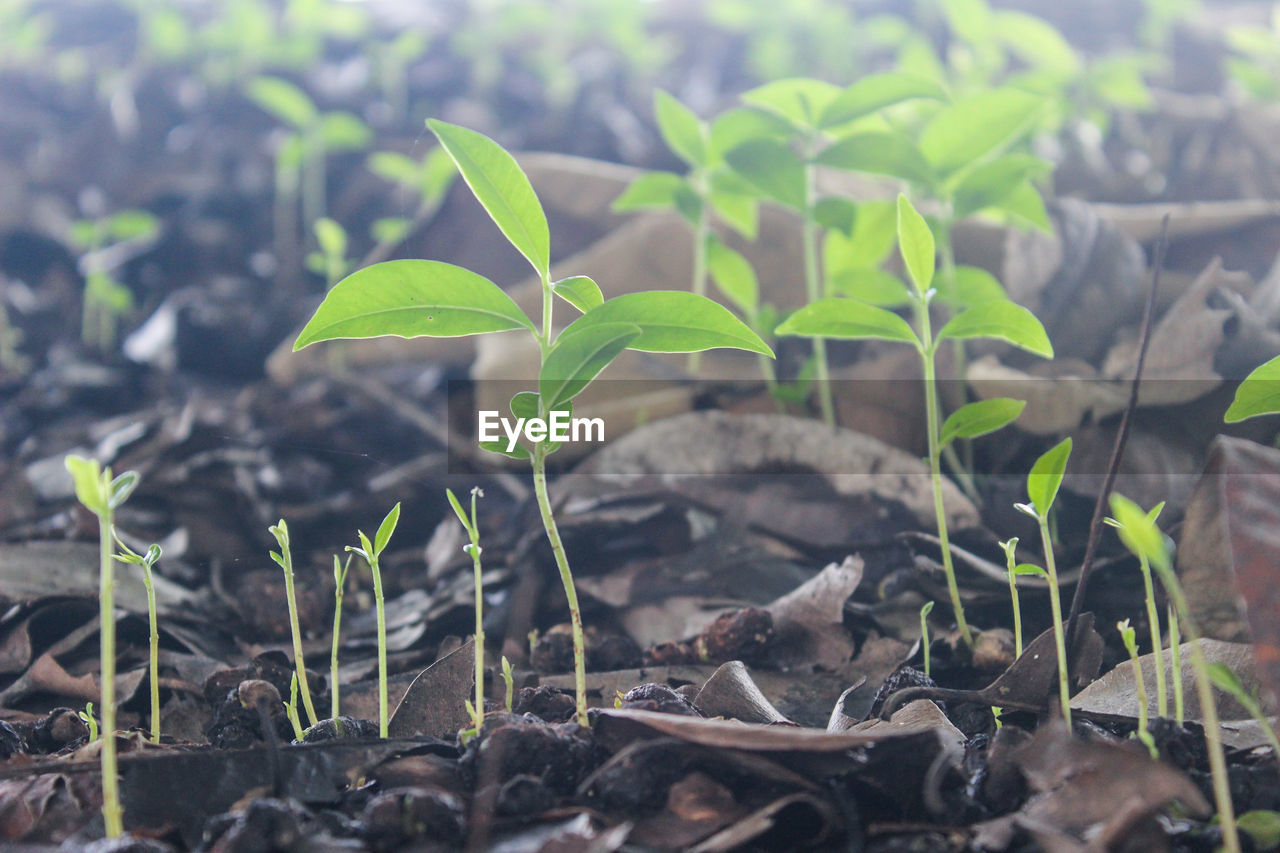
371,552
924,634
839,317
797,128
1153,620
1129,637
284,559
1175,663
102,495
1140,535
330,258
291,708
340,569
428,178
508,679
1258,394
1226,680
147,561
1014,570
471,524
90,721
415,298
708,186
1042,489
106,299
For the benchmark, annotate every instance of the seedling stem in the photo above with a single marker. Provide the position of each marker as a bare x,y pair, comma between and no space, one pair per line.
813,289
284,558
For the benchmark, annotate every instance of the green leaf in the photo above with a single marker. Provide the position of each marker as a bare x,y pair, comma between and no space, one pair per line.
578,357
1045,477
674,321
875,92
438,174
502,188
88,476
133,224
799,100
409,299
652,190
849,320
524,404
734,201
978,126
342,131
1139,532
331,237
1225,679
388,527
500,447
283,100
458,510
1258,394
395,167
390,230
879,153
1036,42
580,291
733,274
875,231
970,286
980,418
1026,205
120,488
772,168
870,285
1003,320
738,126
1029,569
1262,826
993,182
836,214
915,242
682,130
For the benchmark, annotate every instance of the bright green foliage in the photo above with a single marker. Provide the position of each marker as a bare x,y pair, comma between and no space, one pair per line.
106,299
1258,394
1140,535
1045,477
509,680
102,494
1129,637
90,721
331,259
471,523
147,561
1226,680
284,559
1263,827
412,298
371,552
1153,619
849,319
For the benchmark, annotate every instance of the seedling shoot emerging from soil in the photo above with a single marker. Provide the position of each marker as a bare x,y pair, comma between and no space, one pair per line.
472,525
371,552
284,559
415,298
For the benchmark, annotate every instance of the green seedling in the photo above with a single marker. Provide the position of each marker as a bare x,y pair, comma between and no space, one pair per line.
340,569
1153,619
1263,827
330,259
391,60
1014,570
793,128
89,720
284,559
147,561
1226,680
429,179
413,298
508,679
708,186
1175,661
1256,65
314,135
1129,637
291,708
1140,535
839,317
924,634
371,552
1258,394
1042,489
471,524
102,495
106,299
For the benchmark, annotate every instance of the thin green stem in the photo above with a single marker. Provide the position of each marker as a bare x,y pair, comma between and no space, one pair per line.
1055,606
1157,647
1175,664
378,602
334,687
700,233
112,813
566,577
1017,615
474,531
299,662
935,467
153,671
814,291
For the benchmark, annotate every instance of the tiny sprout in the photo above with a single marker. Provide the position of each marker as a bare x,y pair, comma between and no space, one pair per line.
618,699
1129,637
470,522
284,559
291,708
1043,483
924,634
340,570
89,720
1153,620
1226,680
147,561
371,551
508,679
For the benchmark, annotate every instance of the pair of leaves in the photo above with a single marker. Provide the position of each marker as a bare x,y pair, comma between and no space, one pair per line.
100,493
372,551
809,104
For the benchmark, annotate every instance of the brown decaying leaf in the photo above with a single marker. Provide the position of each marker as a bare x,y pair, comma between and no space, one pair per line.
807,622
433,704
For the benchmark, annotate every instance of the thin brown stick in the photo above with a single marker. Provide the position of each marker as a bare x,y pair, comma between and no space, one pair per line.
1122,437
